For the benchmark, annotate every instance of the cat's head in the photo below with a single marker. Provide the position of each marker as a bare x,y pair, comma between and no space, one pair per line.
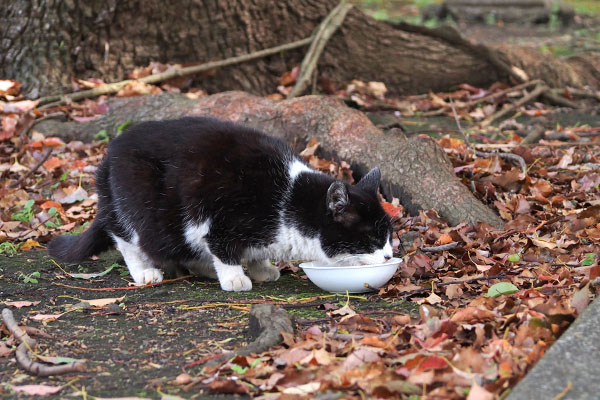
356,224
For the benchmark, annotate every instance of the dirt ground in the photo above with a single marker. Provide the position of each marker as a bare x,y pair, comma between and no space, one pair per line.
138,346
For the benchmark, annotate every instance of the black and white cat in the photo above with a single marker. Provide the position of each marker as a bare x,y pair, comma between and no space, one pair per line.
200,195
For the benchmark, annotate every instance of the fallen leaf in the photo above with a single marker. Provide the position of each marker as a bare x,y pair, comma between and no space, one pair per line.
303,390
581,299
501,288
478,393
22,303
360,356
45,317
346,310
93,275
472,315
54,163
76,195
58,360
229,386
5,349
453,291
104,302
37,390
29,244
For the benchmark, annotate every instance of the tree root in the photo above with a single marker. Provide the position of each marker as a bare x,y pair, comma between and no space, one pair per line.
27,344
415,170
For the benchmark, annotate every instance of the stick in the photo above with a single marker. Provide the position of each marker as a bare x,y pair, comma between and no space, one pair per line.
535,93
27,343
116,86
32,170
579,92
325,30
488,97
513,145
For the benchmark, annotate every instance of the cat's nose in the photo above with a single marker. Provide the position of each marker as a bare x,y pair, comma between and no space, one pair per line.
387,258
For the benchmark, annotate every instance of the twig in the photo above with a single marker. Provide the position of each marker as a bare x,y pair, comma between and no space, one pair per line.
564,392
443,247
579,92
32,170
178,72
27,343
510,156
559,100
513,145
488,97
325,30
535,93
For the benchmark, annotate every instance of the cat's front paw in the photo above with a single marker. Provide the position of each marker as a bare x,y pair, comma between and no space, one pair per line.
262,271
236,283
150,275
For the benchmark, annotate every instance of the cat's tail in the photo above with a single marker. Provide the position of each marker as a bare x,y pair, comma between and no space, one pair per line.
77,248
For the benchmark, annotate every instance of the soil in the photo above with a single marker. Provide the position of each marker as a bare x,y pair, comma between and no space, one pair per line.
139,347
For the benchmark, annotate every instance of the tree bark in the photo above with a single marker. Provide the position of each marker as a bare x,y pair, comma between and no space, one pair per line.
46,43
416,170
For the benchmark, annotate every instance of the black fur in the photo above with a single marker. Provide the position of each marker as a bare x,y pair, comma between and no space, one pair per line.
157,176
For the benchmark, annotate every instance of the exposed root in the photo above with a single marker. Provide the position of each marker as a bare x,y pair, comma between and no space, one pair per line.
27,344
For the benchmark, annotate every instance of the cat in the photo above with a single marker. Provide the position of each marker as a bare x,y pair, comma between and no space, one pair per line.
198,195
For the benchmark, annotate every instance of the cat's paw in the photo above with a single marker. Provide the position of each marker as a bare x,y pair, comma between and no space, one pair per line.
149,275
262,271
236,283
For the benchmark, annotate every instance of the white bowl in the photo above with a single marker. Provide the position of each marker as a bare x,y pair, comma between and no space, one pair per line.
339,279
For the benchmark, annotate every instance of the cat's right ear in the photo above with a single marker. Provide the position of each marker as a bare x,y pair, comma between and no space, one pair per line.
337,198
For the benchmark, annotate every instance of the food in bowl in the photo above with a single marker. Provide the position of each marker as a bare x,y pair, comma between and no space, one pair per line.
339,277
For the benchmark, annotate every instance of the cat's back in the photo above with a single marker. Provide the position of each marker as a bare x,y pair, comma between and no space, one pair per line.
199,138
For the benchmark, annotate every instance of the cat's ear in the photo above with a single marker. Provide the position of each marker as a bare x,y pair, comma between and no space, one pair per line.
370,182
337,198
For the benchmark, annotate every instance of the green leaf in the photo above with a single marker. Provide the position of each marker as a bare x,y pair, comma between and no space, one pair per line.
501,288
102,136
588,259
96,275
514,257
256,362
122,127
239,369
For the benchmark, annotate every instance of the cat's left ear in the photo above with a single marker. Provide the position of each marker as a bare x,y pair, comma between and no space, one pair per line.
370,182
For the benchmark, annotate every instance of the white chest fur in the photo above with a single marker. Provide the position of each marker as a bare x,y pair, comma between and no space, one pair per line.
290,244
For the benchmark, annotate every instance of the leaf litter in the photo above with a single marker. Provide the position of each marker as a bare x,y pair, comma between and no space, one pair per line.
489,307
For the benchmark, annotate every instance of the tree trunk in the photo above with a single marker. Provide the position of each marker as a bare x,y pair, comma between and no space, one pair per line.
46,43
415,170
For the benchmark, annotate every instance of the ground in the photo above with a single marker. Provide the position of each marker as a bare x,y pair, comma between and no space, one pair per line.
139,347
